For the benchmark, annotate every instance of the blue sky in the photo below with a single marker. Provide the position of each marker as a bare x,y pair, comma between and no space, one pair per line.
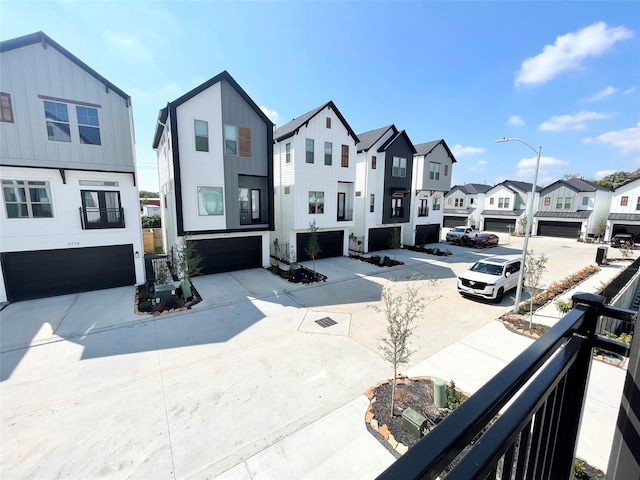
563,75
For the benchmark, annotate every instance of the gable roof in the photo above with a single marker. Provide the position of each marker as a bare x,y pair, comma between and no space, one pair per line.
368,139
575,184
471,188
393,138
41,37
224,75
518,185
426,148
290,129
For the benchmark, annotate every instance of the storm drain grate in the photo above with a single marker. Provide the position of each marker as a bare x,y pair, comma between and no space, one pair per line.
326,322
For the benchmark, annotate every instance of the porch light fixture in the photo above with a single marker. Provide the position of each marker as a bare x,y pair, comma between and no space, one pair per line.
529,224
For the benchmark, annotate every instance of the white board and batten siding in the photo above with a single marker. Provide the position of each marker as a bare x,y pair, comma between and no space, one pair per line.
201,169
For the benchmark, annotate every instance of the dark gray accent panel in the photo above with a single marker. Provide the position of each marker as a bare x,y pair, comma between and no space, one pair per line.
229,254
500,224
236,111
47,273
331,245
427,234
559,229
399,148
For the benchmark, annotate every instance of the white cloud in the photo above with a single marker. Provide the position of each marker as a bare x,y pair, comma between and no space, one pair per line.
529,164
629,90
132,50
516,120
479,166
272,114
459,150
628,140
603,173
576,121
603,94
568,52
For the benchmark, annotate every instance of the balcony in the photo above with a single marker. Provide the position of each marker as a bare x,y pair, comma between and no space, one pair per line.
98,218
397,212
253,217
423,211
536,435
345,215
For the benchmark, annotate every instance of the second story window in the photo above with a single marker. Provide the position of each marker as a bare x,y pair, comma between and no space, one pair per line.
396,207
57,116
201,131
458,202
563,203
6,110
436,203
287,154
374,161
547,201
328,153
210,201
434,171
309,146
638,203
88,125
399,167
24,199
372,202
624,201
328,122
585,201
503,202
446,170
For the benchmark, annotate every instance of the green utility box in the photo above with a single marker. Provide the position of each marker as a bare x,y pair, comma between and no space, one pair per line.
413,422
166,294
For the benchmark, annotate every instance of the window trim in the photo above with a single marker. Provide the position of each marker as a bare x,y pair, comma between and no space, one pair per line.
196,136
108,217
345,156
328,157
317,203
397,169
372,202
200,214
287,152
436,203
434,171
4,96
57,122
624,201
309,154
13,184
374,161
243,146
86,125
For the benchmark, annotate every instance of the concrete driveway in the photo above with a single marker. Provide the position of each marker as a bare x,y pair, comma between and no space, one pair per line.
91,389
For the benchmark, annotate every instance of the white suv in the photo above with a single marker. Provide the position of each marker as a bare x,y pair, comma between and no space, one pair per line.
491,278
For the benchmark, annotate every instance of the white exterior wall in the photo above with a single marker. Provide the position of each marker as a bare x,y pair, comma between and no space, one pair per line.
166,178
631,190
64,229
201,169
601,209
33,71
497,192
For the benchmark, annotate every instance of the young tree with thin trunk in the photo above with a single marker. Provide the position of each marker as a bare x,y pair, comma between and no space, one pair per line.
313,247
534,267
401,311
395,241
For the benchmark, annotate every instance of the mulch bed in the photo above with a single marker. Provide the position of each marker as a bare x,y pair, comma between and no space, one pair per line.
384,261
143,302
431,251
300,274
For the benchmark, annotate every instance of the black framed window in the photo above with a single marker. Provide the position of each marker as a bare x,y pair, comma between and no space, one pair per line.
101,209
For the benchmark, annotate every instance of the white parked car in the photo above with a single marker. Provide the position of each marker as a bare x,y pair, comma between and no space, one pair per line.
491,278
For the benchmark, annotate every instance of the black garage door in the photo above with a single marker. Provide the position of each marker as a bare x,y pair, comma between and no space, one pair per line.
559,229
229,254
379,238
45,273
622,228
331,245
499,224
450,222
427,234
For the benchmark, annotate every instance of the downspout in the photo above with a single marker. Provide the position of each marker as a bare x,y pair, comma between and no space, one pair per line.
365,201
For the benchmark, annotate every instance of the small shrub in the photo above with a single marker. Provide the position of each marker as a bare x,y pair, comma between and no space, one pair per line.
454,398
145,306
579,469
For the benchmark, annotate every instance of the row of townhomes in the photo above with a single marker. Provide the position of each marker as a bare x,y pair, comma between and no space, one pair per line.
240,188
571,208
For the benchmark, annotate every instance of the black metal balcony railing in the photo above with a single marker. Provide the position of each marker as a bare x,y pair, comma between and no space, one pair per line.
535,437
423,212
397,212
249,217
101,218
345,215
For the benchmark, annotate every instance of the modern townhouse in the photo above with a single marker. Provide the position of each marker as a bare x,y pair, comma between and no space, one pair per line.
383,188
431,179
215,167
571,209
624,213
314,175
71,220
463,204
505,204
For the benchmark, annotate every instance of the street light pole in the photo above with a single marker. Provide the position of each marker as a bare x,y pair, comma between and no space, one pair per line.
529,224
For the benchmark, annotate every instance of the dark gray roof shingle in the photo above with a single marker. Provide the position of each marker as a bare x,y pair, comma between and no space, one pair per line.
458,211
368,139
471,188
503,213
628,217
578,214
289,129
